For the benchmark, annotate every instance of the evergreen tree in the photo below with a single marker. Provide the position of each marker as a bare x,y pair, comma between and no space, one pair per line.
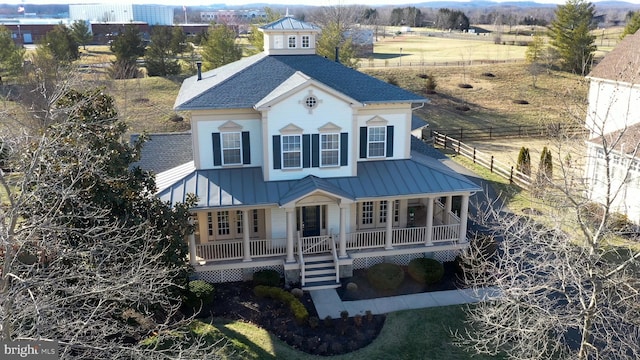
11,56
62,44
128,47
545,171
535,49
220,48
91,250
332,37
81,33
633,24
570,35
524,161
160,57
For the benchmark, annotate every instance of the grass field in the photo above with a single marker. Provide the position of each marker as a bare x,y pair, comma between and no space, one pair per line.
415,334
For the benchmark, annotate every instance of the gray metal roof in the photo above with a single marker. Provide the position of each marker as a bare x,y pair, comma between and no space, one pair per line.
246,82
376,179
289,23
162,152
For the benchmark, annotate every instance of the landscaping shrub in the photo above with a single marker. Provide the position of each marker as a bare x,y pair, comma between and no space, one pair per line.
524,161
385,276
266,277
425,270
297,292
391,79
200,292
298,310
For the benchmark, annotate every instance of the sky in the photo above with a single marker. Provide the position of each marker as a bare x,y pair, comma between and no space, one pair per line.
244,2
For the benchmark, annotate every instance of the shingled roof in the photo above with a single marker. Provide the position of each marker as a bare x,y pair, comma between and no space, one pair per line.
622,63
244,83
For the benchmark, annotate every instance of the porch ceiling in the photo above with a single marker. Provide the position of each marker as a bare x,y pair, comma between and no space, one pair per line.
246,186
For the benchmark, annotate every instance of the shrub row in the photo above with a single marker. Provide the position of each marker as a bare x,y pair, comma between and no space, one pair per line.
297,308
267,277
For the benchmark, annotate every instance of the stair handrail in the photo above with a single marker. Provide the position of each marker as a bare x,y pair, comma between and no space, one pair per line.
301,259
334,252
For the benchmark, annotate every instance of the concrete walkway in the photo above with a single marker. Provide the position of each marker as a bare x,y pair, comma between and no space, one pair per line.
328,303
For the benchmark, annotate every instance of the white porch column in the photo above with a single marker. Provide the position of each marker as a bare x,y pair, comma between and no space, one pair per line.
464,214
246,247
192,249
428,241
291,223
343,230
447,210
389,231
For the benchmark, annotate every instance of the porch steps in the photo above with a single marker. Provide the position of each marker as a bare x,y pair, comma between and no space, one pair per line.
319,273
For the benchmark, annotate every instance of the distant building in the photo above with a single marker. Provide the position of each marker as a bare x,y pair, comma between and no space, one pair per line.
232,17
122,13
29,30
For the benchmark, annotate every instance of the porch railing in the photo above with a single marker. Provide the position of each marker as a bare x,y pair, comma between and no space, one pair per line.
232,249
372,239
315,244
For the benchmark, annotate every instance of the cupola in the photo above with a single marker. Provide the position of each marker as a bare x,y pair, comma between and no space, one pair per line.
289,36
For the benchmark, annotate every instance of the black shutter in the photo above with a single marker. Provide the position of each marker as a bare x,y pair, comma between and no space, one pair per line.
217,149
389,141
277,159
363,142
315,150
344,149
306,150
246,148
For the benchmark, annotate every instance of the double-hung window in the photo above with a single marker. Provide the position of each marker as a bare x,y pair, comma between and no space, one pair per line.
305,41
291,151
231,148
291,42
329,149
376,141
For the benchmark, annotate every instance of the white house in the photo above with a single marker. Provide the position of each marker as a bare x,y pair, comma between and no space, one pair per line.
613,120
303,165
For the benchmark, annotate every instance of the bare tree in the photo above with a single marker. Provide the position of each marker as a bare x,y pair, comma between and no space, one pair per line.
80,264
567,271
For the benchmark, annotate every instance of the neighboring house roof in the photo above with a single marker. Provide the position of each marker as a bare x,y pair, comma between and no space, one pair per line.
625,141
244,83
162,152
622,63
417,122
289,23
375,179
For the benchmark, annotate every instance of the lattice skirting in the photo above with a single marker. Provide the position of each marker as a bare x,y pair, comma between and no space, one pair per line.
231,275
404,259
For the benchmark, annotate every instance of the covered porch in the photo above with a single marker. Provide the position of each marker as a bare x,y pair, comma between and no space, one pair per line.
429,225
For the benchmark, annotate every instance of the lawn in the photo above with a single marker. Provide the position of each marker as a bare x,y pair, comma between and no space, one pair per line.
414,334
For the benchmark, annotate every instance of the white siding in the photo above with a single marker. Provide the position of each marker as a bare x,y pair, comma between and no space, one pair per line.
612,106
203,128
292,111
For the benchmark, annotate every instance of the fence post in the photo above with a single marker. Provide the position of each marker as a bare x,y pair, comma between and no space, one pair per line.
458,147
490,132
474,155
445,141
491,166
460,138
511,176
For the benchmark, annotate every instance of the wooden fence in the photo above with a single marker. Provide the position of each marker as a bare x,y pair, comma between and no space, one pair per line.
550,130
485,160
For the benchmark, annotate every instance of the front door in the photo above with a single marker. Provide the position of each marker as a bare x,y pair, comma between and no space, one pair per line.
310,221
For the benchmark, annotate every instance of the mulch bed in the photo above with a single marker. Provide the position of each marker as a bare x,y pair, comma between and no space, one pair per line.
236,301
